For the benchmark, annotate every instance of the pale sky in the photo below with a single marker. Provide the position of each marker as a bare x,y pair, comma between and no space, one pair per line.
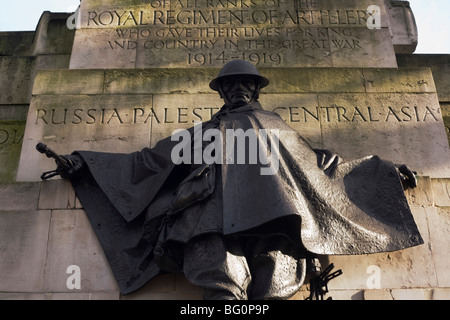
432,17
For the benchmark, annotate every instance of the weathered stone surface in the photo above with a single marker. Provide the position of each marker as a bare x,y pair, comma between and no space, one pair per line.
19,196
439,223
167,287
302,294
81,122
72,241
162,80
410,294
439,65
440,294
392,126
60,296
52,35
404,80
318,33
282,80
413,267
15,78
366,52
310,80
23,250
422,195
333,294
56,61
441,190
14,112
382,294
445,107
55,82
11,137
56,194
92,52
14,43
403,26
345,295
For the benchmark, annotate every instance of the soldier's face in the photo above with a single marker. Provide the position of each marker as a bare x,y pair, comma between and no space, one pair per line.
239,91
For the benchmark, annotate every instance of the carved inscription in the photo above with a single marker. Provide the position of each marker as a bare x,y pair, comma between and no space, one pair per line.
184,115
357,114
11,135
211,32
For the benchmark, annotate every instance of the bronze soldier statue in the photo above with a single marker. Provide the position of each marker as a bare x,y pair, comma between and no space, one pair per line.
231,230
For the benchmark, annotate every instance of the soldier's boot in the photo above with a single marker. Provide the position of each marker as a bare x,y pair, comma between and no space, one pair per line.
277,271
222,271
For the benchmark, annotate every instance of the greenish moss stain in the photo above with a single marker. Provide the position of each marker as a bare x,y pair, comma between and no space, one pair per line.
446,116
11,138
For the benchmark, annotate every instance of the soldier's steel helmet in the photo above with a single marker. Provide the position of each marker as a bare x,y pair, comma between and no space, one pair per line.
238,68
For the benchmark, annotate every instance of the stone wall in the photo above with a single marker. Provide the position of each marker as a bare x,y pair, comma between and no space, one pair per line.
440,67
44,231
21,55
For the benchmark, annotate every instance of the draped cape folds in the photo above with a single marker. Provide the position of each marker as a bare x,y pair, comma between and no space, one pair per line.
340,208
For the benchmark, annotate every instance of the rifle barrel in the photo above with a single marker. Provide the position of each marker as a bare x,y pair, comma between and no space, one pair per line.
42,148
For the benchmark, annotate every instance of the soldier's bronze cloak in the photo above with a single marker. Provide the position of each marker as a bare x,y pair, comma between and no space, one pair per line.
136,202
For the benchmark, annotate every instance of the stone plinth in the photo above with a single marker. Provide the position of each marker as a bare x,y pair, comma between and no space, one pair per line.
205,33
44,231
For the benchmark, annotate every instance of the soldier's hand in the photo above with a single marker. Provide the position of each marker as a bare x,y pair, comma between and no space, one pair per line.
407,176
72,165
